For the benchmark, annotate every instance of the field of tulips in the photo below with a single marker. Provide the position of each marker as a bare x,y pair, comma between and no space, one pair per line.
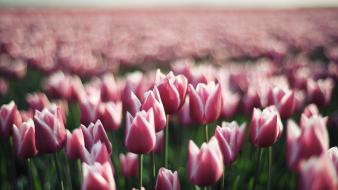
169,100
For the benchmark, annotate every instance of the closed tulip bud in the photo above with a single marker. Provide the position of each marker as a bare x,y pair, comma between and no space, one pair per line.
318,173
266,127
153,100
140,132
311,139
50,130
172,90
333,155
284,100
111,115
230,103
110,91
37,101
98,153
309,111
184,114
205,165
98,176
135,84
129,164
319,92
251,100
24,139
167,180
75,144
89,109
230,138
94,133
159,142
205,102
9,115
58,85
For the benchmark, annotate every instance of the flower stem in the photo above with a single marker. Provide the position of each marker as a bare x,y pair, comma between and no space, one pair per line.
140,170
58,170
206,128
166,136
30,173
153,164
259,157
270,167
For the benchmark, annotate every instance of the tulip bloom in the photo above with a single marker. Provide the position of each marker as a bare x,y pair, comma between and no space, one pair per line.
129,164
89,108
284,101
159,142
135,84
98,153
24,139
319,92
230,138
153,100
140,132
310,139
94,133
318,173
98,176
75,144
37,101
205,102
111,115
110,91
251,100
205,165
266,127
172,90
9,115
167,180
333,155
230,103
58,85
50,130
184,114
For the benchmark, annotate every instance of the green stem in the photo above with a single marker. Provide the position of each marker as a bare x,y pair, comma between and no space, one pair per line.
270,167
30,174
140,170
166,138
58,170
259,157
79,167
153,165
236,182
206,128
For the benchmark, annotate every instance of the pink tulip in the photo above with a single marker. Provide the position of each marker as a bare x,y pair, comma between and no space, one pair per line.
205,102
37,101
9,115
333,155
205,165
184,114
284,100
97,153
310,139
153,100
311,110
135,84
230,103
129,164
266,127
89,108
24,139
58,85
134,104
94,133
4,87
230,138
167,180
98,176
110,91
318,173
50,132
319,92
75,144
159,142
111,115
172,90
140,132
251,100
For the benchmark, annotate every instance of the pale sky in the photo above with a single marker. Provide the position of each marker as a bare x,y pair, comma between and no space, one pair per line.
171,3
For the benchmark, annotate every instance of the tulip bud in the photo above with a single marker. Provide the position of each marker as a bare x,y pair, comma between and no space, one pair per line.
172,90
135,84
98,153
159,142
93,134
9,115
230,138
153,100
129,164
58,85
111,115
205,102
311,139
24,139
318,173
110,91
205,165
89,108
309,111
319,92
251,100
3,87
333,155
184,114
167,180
140,132
230,103
37,101
284,101
98,176
50,130
75,144
266,127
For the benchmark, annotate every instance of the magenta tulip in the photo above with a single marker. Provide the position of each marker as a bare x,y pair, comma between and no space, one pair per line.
98,176
37,101
205,102
98,153
135,84
24,139
50,132
9,115
111,115
230,138
89,107
184,117
333,155
129,164
251,100
205,165
230,103
75,144
172,90
284,100
140,132
266,127
167,180
58,85
110,91
159,142
319,92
